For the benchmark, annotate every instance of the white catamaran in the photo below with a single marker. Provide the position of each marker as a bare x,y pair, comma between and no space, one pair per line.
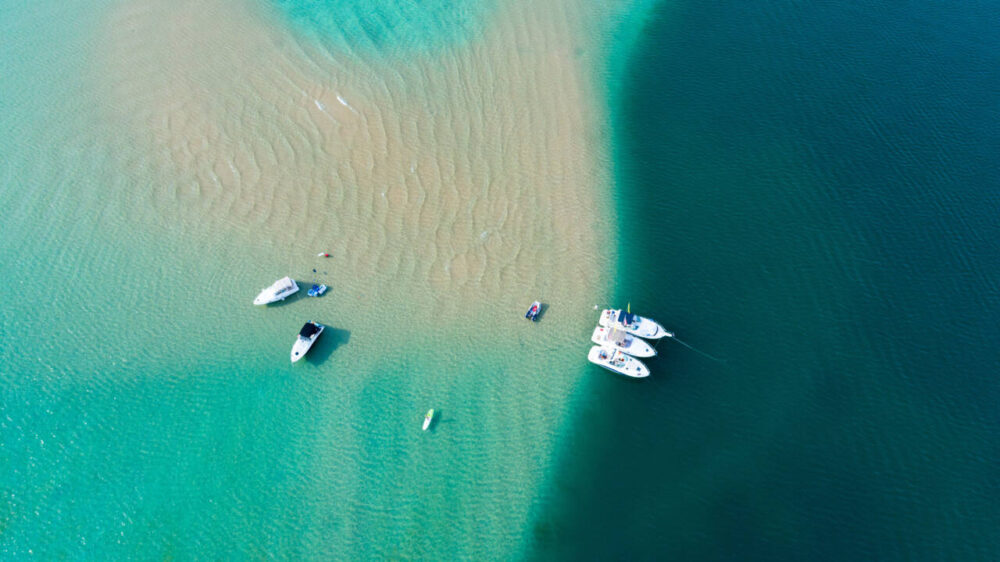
617,361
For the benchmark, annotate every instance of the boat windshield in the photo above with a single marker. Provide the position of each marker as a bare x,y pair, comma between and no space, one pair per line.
626,318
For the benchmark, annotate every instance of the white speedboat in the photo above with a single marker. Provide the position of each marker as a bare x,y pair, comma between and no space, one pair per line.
633,324
428,418
619,339
307,336
278,291
617,361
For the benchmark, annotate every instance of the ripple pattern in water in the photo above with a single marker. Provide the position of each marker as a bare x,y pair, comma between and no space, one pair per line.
372,26
465,168
191,153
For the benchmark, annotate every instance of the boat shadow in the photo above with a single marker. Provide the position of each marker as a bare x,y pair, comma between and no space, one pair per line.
542,307
437,419
328,342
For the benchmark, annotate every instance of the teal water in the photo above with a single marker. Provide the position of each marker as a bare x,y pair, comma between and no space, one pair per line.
397,26
809,192
806,192
164,162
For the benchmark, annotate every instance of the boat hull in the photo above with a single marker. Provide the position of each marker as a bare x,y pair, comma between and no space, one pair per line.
633,345
303,345
278,291
640,326
533,311
617,362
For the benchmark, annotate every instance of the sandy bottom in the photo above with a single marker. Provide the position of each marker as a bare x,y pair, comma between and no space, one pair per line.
452,186
474,171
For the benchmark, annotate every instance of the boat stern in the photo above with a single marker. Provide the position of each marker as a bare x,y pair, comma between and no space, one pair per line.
608,316
598,336
595,357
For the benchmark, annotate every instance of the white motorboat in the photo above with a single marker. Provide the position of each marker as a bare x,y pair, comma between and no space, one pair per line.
307,336
620,339
617,361
278,291
633,324
428,418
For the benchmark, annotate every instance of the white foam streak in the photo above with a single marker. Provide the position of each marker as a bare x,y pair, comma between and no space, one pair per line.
345,104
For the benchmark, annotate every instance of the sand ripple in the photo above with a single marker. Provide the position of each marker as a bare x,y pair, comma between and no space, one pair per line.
465,169
452,187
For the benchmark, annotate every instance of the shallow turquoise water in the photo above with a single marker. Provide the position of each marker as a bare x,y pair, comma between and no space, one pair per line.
398,27
150,411
807,193
811,194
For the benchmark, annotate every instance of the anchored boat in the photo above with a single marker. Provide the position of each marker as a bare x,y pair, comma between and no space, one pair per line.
307,337
278,291
617,361
633,324
533,311
619,339
428,418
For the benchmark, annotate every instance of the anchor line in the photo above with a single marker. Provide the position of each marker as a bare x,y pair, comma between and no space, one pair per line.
694,349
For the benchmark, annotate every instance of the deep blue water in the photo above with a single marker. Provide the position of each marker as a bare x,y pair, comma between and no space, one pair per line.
809,192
